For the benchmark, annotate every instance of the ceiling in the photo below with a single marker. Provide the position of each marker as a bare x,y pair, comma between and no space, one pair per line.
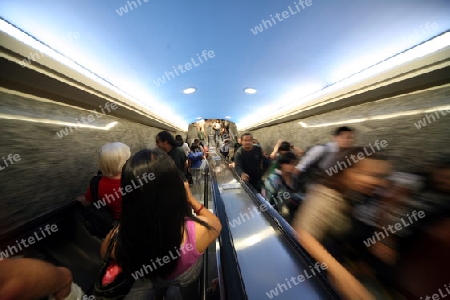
136,44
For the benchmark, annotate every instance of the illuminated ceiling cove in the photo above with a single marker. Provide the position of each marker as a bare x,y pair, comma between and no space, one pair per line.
186,59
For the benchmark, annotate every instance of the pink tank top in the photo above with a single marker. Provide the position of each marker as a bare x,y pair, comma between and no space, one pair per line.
187,252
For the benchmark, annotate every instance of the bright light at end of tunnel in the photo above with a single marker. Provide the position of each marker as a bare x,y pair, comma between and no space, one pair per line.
227,117
250,91
190,90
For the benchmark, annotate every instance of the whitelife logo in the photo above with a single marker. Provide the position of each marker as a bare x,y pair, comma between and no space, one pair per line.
22,244
398,226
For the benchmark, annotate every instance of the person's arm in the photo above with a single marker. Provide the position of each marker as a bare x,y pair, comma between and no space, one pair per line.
310,157
297,151
342,280
238,166
25,278
184,161
208,235
312,223
83,200
275,149
105,243
86,199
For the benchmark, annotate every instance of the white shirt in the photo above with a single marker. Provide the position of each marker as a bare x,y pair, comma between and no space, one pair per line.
225,148
314,153
186,148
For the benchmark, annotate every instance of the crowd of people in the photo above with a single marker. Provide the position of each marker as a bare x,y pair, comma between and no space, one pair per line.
219,129
344,201
152,213
344,218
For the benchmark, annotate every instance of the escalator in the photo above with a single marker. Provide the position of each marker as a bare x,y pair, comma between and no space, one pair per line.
255,256
258,255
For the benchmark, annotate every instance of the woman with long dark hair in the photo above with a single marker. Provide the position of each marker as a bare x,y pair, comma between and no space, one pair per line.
160,241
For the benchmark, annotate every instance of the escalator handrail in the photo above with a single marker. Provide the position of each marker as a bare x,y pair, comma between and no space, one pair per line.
283,226
231,275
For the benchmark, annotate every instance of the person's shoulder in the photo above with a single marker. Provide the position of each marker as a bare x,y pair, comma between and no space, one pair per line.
257,148
274,175
180,150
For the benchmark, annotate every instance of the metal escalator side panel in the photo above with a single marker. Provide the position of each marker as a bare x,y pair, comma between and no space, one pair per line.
266,257
232,278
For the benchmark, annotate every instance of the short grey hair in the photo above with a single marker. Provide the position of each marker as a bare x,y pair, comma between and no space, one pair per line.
112,157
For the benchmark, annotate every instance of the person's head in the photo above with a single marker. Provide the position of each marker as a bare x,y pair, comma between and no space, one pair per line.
344,137
239,140
179,140
247,141
352,170
196,141
112,157
195,147
284,147
165,141
153,213
287,162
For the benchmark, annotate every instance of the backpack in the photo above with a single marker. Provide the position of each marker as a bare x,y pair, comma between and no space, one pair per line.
98,221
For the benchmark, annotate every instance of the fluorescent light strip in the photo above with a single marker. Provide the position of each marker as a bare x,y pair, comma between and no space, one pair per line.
56,122
32,42
380,117
421,50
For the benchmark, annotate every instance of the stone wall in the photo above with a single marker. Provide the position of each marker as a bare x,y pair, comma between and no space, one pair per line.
53,170
408,147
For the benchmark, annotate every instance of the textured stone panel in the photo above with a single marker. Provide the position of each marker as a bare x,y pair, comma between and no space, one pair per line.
408,147
53,170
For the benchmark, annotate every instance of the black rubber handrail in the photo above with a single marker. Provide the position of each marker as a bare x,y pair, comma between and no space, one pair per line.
204,279
232,275
54,216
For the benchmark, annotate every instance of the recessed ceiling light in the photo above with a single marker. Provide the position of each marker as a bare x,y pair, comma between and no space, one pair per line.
199,118
189,90
250,91
227,117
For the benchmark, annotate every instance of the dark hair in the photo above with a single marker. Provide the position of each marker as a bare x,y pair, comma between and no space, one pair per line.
153,214
194,147
179,140
339,130
195,140
245,134
284,146
287,158
166,136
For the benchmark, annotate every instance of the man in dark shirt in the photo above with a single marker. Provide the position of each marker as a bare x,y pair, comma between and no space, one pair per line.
248,160
166,142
